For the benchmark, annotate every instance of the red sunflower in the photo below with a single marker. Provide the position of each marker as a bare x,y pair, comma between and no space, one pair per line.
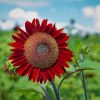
41,52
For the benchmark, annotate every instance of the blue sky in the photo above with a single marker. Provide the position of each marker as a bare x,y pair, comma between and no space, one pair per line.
55,10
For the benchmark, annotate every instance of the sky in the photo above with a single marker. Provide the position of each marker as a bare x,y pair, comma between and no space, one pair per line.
86,13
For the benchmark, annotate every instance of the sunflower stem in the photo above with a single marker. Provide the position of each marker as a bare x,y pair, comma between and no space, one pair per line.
84,85
55,90
70,74
83,82
46,92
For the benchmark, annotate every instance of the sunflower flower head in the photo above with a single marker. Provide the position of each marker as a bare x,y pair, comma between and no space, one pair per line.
41,52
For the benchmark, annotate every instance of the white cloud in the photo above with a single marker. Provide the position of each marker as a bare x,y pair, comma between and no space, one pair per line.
83,28
18,16
19,13
30,15
33,4
97,11
27,3
95,14
61,24
6,25
88,11
16,13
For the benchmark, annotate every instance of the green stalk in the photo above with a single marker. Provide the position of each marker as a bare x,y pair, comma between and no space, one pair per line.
46,92
70,74
55,90
84,85
83,81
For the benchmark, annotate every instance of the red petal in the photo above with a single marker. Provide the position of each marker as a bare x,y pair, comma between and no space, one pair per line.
60,69
58,32
20,70
17,58
66,59
48,28
21,62
64,45
17,38
33,23
22,33
16,43
63,64
29,27
27,70
23,70
65,55
51,75
17,50
35,73
21,36
14,55
37,29
30,74
61,41
61,36
53,30
55,72
43,25
41,76
46,77
66,51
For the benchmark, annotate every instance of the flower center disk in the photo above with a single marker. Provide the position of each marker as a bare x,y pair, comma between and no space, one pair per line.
41,50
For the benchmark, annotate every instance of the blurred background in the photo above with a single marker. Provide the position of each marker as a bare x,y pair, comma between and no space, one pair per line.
80,19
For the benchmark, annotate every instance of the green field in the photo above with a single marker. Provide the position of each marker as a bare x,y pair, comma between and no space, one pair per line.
20,88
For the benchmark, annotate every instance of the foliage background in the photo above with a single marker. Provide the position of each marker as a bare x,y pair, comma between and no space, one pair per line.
19,88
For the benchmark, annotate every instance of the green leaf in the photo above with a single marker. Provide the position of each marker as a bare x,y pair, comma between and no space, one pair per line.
75,45
90,64
71,68
27,90
22,98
